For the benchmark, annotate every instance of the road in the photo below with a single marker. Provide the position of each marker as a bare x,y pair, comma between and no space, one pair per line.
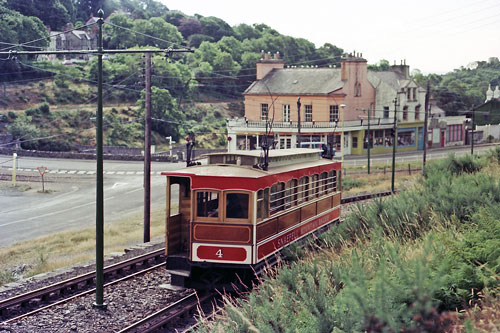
29,214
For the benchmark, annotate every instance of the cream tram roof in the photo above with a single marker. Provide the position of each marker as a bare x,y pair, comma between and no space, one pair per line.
240,164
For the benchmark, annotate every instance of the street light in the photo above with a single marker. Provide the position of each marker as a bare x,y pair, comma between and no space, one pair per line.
342,106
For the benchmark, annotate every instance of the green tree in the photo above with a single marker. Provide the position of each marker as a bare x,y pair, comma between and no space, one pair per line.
167,117
215,27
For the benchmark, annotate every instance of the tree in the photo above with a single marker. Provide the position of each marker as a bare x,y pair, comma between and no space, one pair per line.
215,27
119,38
163,107
244,31
166,34
174,17
189,26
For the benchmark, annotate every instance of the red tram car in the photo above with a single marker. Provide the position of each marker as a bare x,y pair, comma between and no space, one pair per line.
231,217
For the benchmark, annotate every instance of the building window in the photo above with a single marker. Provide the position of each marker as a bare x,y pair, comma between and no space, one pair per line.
264,111
309,113
334,113
414,94
386,112
354,142
408,94
417,112
405,113
357,89
286,112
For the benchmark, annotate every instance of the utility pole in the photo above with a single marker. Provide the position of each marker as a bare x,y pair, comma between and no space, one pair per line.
472,136
99,248
369,141
426,119
147,153
394,143
298,122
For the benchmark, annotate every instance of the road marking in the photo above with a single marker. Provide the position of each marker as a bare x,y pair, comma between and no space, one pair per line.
110,172
130,172
135,190
62,171
54,213
72,172
115,185
82,172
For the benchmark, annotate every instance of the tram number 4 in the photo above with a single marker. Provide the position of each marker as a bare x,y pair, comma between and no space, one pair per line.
219,253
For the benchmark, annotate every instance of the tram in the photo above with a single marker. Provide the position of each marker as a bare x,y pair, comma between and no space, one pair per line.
230,216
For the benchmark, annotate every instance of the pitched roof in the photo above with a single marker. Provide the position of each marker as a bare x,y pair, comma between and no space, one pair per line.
394,79
298,81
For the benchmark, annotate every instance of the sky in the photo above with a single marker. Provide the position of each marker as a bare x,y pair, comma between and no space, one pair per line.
432,36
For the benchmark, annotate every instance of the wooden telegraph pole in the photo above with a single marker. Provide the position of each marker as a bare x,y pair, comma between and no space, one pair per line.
426,119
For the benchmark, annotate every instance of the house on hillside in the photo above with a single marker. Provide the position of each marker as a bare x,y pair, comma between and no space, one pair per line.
331,101
487,117
72,40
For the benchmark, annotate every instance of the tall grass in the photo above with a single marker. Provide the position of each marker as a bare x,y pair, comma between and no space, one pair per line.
397,264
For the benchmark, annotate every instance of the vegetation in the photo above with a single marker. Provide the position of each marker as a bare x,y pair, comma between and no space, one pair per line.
401,264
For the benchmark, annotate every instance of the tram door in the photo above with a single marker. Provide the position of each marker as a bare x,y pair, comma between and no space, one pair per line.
178,216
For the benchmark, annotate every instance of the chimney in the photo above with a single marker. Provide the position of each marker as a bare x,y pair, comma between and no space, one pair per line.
402,69
267,64
352,66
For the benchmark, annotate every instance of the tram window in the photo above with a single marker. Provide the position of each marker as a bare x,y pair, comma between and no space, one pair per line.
324,183
207,204
237,206
339,180
291,193
262,204
315,185
332,181
304,189
277,201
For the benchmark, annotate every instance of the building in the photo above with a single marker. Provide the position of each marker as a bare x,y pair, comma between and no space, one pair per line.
72,40
331,100
487,117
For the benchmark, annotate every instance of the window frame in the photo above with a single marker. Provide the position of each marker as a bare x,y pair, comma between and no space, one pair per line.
286,112
334,113
250,207
308,113
207,218
264,111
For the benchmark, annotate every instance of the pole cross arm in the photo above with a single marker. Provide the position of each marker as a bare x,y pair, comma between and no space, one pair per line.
166,51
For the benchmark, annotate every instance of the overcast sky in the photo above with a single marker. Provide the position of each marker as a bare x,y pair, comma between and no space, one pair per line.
433,36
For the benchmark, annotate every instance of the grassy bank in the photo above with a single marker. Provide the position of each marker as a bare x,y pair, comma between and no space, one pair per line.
407,263
64,249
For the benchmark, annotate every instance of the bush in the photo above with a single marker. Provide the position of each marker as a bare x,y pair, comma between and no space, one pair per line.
349,183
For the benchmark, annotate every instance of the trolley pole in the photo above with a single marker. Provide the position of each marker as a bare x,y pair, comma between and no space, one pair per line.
147,153
394,143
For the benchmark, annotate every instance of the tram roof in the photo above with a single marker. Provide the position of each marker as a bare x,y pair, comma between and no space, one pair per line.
246,171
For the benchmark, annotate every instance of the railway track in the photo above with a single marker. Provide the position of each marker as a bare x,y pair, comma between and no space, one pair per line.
21,305
164,319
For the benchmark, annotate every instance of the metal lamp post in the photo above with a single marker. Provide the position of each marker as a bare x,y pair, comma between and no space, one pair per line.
342,106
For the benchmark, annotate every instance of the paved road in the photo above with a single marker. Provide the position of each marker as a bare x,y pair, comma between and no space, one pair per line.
25,215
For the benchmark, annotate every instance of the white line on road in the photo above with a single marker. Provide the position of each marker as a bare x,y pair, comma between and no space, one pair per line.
54,213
